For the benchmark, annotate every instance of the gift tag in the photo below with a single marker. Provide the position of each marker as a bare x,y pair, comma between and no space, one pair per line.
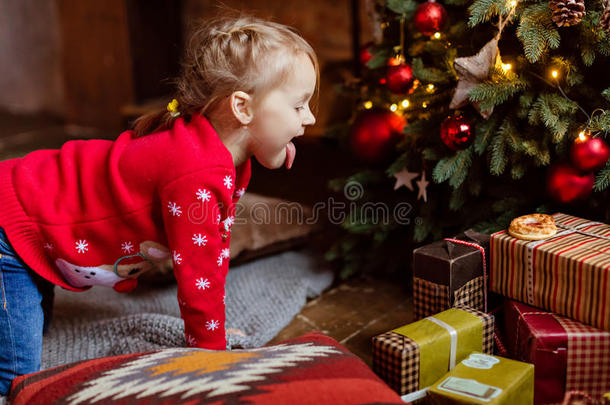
480,361
469,388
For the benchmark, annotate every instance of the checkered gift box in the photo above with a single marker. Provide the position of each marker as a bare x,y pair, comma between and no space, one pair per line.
397,353
570,357
431,298
450,273
588,358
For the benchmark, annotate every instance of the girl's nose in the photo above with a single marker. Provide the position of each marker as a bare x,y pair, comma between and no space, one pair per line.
310,119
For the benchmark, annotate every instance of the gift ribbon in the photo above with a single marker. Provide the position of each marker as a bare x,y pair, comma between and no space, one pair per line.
482,250
569,397
532,245
583,232
413,396
452,336
523,314
433,336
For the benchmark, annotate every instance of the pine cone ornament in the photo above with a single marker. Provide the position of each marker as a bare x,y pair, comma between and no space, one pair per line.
567,12
604,22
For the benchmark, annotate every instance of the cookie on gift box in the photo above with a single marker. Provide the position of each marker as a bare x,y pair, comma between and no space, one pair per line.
533,227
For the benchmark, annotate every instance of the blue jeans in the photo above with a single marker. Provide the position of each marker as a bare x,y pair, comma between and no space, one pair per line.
26,302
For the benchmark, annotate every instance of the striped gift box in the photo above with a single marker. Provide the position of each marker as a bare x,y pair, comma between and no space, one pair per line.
568,274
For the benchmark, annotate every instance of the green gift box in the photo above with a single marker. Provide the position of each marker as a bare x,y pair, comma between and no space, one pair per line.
415,356
485,379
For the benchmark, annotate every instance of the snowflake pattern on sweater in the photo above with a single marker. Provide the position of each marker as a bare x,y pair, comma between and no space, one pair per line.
202,264
101,212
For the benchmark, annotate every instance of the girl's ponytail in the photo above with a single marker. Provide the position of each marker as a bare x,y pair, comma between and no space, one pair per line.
158,120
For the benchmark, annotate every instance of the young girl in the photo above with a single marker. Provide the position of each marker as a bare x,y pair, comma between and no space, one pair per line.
101,212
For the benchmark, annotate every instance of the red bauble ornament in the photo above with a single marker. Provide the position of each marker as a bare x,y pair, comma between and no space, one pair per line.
456,132
374,134
399,78
365,53
589,154
430,17
567,184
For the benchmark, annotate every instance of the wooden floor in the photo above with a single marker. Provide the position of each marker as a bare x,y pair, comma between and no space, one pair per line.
352,312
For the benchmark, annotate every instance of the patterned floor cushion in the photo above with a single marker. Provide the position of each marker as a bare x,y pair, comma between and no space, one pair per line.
311,369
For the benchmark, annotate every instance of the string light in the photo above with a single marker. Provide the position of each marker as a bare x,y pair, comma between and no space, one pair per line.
424,104
437,35
506,67
393,107
395,61
430,88
405,103
368,104
582,136
554,73
513,3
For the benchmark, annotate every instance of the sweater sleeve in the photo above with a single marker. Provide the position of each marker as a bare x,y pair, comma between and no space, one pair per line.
192,207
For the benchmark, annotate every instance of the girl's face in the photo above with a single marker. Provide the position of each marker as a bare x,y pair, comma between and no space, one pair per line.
281,115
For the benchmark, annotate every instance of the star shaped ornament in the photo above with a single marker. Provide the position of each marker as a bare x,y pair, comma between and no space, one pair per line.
472,71
421,185
405,178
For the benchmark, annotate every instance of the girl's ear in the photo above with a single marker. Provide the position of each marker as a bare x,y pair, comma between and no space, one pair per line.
241,107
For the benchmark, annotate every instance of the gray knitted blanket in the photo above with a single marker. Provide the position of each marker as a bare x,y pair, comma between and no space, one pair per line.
262,297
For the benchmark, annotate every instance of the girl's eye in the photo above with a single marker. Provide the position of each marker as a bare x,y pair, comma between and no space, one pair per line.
299,108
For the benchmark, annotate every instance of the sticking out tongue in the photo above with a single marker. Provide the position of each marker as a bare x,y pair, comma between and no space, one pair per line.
291,152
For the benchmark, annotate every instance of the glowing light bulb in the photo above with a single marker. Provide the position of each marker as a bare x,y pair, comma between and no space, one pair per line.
424,104
393,107
506,67
430,88
582,136
554,73
513,3
437,35
405,103
368,104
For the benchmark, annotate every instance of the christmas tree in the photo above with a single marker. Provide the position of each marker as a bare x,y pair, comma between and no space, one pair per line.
470,113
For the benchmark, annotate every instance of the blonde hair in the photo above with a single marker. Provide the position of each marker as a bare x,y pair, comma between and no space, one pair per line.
227,54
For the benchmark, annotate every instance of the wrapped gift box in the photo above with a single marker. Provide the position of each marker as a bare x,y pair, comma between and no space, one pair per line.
568,273
414,356
449,274
569,356
485,379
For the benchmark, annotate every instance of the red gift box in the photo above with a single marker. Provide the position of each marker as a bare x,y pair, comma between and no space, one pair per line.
568,355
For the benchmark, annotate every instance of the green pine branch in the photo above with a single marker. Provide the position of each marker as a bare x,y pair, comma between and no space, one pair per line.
429,75
483,10
406,7
453,168
602,180
537,31
554,112
484,132
497,90
498,158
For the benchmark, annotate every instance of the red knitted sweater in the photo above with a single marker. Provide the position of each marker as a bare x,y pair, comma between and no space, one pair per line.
102,212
